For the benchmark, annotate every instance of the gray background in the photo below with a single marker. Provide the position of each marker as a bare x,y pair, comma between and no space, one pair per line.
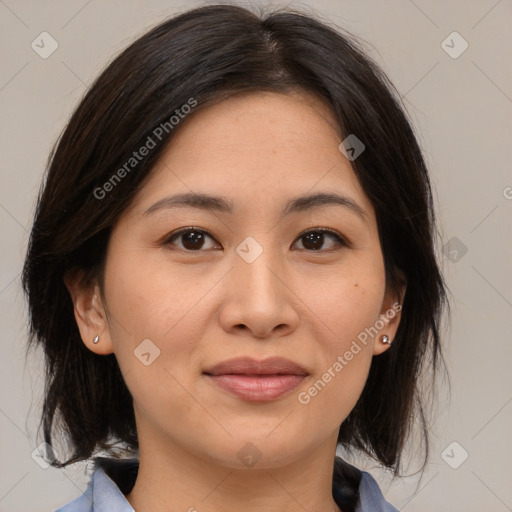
461,108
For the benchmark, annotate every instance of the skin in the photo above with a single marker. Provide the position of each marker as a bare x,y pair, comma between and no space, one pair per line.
205,306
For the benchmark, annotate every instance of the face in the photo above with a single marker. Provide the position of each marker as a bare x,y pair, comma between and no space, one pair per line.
187,287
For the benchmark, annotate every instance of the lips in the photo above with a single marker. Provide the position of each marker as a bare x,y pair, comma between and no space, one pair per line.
252,380
249,366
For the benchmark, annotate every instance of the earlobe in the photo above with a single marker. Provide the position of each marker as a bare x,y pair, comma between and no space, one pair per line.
382,344
389,319
89,313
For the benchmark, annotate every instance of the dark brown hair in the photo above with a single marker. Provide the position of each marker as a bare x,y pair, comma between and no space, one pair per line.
209,54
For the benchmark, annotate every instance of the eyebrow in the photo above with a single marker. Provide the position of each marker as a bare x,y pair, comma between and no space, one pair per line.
220,204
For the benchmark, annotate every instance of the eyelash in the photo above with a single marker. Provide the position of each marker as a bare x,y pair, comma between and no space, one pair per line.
341,241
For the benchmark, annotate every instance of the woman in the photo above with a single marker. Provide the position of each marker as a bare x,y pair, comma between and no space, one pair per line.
232,271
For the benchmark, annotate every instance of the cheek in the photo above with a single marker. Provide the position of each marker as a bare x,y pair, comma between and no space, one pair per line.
335,388
346,301
153,322
151,297
346,308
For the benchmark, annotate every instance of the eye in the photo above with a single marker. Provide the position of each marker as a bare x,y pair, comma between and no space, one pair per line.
314,239
192,239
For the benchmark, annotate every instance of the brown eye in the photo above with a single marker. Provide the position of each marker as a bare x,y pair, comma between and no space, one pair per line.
196,240
191,239
313,240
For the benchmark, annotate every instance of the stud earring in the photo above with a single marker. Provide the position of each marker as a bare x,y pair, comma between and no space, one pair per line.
96,339
385,339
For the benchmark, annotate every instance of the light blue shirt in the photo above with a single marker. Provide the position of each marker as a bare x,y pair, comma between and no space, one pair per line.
103,495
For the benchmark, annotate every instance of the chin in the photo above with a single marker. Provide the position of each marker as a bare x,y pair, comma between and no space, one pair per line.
256,452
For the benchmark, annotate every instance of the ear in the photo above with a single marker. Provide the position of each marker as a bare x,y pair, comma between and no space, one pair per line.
390,315
89,311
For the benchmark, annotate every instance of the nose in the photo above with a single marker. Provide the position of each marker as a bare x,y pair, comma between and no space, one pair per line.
259,297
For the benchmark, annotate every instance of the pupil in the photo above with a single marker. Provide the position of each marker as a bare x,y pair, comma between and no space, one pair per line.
193,239
313,239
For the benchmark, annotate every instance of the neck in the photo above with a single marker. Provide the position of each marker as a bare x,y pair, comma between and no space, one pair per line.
173,479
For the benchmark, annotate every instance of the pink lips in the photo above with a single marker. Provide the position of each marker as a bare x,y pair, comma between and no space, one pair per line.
254,380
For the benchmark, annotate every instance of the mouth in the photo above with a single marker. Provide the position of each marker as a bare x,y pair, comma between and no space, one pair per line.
252,380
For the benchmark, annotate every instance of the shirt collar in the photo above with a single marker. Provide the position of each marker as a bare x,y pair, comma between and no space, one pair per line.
102,495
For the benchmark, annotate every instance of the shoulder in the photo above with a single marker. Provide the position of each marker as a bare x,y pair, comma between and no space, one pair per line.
371,498
357,490
82,504
102,494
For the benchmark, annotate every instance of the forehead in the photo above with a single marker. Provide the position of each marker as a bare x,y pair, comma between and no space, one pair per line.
261,146
282,124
